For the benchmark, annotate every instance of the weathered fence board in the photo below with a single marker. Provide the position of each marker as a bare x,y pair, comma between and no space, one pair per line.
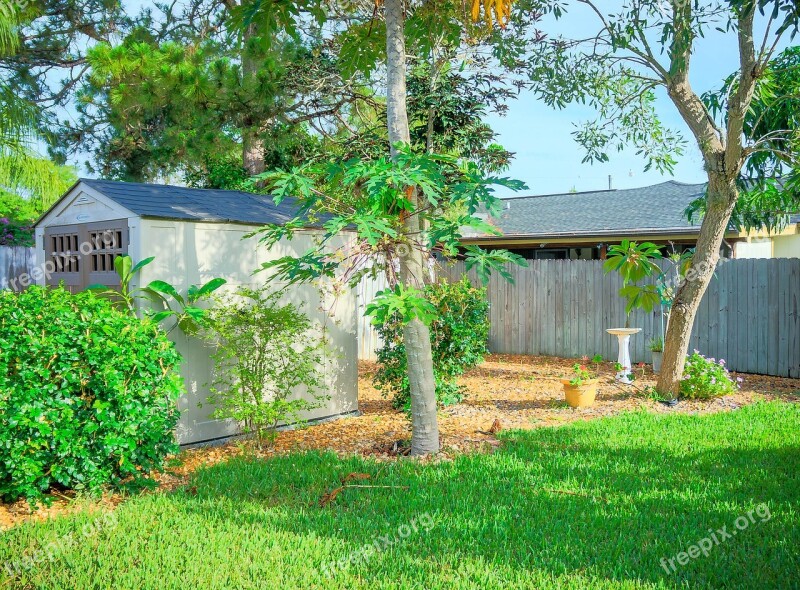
749,316
15,261
368,339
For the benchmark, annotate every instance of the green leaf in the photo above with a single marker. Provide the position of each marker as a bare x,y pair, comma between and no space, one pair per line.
162,315
141,264
196,294
166,289
123,265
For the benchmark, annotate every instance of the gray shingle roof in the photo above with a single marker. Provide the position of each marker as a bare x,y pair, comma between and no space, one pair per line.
651,209
192,204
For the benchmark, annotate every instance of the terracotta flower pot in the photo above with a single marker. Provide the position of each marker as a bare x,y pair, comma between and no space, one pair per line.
580,396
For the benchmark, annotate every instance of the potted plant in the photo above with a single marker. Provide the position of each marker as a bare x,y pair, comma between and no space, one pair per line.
580,388
657,350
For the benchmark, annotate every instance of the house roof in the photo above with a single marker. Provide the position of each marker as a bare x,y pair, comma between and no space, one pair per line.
657,209
163,201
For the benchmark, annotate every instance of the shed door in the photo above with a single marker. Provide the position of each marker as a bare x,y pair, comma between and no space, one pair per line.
83,255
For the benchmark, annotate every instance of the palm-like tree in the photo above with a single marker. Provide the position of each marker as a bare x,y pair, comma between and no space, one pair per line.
416,335
22,169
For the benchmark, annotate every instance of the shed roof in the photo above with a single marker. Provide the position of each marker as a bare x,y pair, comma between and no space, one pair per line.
163,201
647,210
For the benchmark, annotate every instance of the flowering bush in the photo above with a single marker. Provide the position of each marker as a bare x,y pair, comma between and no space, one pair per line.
705,378
13,233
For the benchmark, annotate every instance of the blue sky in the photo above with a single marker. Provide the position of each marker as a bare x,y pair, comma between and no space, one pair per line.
549,161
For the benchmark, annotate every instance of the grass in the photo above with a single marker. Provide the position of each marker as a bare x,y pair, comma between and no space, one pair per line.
587,505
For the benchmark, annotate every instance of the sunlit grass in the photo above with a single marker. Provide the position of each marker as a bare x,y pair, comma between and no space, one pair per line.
587,505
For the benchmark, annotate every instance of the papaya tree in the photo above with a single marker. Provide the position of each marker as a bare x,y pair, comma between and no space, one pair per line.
404,206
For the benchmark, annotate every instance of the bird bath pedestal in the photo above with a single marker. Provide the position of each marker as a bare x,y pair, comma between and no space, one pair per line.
624,337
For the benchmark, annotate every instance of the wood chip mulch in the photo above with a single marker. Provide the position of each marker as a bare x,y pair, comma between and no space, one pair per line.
506,391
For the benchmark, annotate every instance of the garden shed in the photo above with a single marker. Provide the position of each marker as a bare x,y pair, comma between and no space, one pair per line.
195,235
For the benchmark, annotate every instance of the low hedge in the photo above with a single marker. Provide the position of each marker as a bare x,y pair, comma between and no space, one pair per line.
87,394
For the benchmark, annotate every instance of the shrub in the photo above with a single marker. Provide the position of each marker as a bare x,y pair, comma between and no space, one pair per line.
87,393
459,334
705,378
265,352
14,233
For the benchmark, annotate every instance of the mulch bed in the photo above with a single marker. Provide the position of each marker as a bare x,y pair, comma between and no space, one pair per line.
506,391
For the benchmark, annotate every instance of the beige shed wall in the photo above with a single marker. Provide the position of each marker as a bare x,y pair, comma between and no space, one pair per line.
189,253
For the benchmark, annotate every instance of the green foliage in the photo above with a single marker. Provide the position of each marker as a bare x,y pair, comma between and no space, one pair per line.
770,187
403,303
656,344
372,197
634,263
459,332
266,364
580,375
186,102
21,167
87,393
167,302
704,378
17,208
13,233
447,108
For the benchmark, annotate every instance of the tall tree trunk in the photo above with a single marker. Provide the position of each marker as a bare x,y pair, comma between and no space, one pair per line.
723,157
416,336
253,152
721,198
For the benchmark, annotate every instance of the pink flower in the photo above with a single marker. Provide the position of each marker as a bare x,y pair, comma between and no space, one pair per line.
721,361
739,379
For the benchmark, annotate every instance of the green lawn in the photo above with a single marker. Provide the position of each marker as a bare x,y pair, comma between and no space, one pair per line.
588,505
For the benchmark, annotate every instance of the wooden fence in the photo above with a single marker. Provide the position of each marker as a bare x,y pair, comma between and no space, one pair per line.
15,261
750,315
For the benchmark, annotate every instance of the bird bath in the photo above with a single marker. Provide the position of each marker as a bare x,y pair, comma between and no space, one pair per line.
624,337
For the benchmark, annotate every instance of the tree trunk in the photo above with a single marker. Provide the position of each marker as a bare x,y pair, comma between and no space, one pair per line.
722,196
253,153
416,336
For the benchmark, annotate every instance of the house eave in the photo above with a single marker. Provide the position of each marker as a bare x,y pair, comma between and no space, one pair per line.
666,235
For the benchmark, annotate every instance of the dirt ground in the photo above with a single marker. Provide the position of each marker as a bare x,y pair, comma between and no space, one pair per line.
518,391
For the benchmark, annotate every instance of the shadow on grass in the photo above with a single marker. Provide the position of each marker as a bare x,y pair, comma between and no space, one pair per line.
604,500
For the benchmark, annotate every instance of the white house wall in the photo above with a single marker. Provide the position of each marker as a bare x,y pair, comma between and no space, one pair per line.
189,253
754,248
786,246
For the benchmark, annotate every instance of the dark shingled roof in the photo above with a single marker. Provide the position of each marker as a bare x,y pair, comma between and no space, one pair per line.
647,210
194,204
